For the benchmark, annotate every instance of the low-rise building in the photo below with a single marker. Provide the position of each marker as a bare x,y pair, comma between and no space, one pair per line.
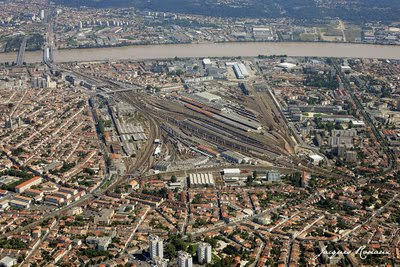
8,261
104,217
201,179
28,184
234,157
54,200
19,204
273,176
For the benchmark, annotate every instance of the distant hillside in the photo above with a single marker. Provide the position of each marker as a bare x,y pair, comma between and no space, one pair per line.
351,10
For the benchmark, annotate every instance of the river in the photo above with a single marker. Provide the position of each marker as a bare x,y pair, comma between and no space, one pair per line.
216,50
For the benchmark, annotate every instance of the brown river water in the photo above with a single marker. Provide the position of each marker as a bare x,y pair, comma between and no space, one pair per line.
216,50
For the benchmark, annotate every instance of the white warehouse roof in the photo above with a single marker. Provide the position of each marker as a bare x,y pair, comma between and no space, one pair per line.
208,96
206,61
286,65
232,171
201,179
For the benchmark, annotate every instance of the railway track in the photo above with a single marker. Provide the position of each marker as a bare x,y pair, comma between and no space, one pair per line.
234,135
297,163
142,164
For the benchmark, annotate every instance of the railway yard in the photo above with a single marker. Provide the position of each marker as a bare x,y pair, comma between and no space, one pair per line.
270,160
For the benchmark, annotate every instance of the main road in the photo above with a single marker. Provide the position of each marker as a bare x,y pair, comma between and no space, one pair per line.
244,49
